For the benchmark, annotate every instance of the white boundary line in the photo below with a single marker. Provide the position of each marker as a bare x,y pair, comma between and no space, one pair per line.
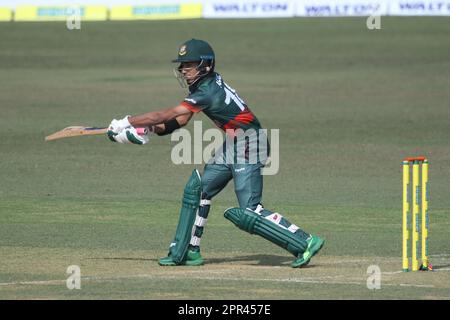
44,282
159,277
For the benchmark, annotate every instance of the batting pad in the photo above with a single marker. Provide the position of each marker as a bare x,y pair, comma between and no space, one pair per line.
188,212
254,223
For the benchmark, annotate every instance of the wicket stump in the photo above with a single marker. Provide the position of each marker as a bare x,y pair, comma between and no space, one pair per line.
418,193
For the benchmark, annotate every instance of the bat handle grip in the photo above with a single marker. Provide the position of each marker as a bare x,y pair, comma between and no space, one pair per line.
142,131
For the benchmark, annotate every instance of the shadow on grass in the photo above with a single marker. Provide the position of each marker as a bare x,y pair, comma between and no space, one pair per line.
442,266
257,259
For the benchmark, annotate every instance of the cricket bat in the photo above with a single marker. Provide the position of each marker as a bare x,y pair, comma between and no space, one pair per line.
76,131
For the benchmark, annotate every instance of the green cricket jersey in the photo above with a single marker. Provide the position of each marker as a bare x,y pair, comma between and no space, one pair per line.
220,103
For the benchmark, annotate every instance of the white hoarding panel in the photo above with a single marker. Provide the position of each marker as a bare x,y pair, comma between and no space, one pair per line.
342,8
420,8
249,9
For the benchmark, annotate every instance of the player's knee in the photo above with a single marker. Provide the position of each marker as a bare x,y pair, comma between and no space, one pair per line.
206,193
249,206
249,203
205,200
256,207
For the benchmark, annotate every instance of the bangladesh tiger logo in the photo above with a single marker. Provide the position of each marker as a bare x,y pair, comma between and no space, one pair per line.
182,51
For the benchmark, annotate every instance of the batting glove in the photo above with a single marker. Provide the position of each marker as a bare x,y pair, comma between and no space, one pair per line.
130,135
116,126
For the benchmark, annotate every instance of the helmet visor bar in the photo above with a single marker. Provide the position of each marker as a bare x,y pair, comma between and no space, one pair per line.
187,76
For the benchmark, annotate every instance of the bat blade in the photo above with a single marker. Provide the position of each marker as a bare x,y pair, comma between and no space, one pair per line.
75,131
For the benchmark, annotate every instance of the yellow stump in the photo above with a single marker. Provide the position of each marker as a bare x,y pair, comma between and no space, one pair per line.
425,218
405,232
415,217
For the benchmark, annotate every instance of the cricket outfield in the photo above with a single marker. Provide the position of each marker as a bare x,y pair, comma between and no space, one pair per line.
350,104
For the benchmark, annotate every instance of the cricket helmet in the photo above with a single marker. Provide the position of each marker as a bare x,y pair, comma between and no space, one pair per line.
195,50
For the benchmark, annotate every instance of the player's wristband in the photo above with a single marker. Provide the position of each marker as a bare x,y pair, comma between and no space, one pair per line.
169,127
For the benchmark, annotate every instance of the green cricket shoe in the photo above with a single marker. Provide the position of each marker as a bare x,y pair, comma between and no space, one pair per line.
314,246
193,258
167,262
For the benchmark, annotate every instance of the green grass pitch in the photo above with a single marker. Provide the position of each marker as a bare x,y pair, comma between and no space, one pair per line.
350,103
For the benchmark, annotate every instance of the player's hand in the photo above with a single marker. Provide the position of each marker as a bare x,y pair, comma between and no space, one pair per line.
130,135
116,126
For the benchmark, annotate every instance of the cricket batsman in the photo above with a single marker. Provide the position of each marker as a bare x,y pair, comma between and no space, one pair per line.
209,93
